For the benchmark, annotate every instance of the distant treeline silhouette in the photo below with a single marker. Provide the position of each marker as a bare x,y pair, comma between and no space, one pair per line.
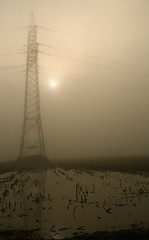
124,164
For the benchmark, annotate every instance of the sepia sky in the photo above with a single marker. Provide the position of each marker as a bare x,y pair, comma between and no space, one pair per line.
97,54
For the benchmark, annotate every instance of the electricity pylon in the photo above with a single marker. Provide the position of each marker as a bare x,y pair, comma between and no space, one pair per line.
32,142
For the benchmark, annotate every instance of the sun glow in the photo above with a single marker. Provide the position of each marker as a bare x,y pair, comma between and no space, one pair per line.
53,84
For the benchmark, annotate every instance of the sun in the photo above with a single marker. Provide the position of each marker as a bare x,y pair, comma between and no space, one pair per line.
53,84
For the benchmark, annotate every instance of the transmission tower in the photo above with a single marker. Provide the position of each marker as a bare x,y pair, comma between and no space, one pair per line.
32,142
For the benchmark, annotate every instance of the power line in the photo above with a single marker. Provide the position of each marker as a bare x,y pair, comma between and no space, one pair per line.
14,29
59,70
106,82
89,63
93,57
92,40
12,47
12,54
83,77
10,67
69,78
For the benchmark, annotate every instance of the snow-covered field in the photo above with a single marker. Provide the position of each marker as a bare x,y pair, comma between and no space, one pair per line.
63,203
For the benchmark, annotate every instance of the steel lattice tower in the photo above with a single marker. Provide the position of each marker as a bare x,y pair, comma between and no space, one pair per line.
32,142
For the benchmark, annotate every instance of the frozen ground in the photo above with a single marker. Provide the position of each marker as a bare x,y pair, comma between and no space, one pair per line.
69,203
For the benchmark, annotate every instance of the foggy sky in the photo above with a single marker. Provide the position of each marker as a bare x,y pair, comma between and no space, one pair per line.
99,59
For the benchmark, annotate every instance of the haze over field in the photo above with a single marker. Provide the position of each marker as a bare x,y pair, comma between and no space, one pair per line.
94,76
